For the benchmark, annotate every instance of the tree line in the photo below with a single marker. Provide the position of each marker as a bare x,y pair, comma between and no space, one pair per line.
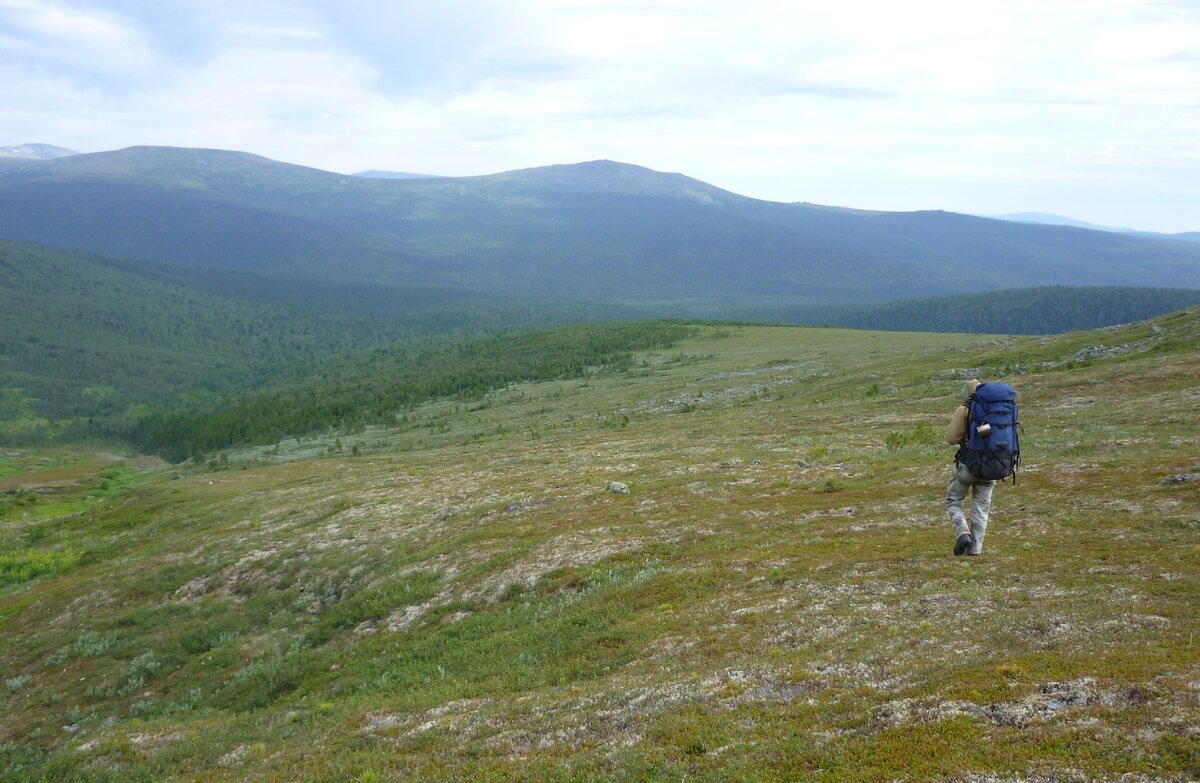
1042,310
377,389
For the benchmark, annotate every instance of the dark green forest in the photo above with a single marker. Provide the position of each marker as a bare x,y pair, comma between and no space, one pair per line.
380,386
1043,310
82,338
93,341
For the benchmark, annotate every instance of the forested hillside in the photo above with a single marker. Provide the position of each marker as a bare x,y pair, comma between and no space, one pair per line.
380,387
82,338
597,230
1045,310
89,345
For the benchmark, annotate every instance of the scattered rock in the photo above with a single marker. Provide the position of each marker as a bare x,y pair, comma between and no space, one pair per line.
234,757
1181,478
618,488
689,399
1051,700
1100,351
382,721
153,742
1057,776
582,548
193,590
402,621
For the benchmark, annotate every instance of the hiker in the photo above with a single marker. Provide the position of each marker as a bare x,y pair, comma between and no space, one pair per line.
984,428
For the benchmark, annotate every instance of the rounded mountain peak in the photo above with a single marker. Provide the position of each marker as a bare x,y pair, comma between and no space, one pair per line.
612,178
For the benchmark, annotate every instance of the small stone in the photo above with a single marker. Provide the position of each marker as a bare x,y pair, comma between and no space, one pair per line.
803,463
618,488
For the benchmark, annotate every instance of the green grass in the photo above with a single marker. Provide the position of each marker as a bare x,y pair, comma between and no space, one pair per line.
775,598
26,564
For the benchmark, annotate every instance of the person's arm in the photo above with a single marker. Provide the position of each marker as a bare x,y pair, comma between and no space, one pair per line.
958,426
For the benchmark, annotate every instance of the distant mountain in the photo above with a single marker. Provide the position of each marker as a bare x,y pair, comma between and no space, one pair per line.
36,152
376,174
1048,219
596,231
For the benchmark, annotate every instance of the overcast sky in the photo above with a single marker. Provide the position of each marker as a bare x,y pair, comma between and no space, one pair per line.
1087,108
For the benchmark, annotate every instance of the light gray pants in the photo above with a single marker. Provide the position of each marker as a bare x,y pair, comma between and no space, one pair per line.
981,503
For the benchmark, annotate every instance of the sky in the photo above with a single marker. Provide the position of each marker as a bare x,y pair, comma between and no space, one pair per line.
1084,108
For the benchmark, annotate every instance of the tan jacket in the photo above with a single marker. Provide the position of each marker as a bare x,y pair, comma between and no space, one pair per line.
956,433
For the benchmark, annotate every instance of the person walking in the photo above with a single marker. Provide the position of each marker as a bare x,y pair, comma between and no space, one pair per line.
968,533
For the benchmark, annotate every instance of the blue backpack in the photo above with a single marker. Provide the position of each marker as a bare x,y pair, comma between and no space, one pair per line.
992,451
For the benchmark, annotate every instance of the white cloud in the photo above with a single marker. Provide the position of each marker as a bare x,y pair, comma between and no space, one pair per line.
84,40
931,103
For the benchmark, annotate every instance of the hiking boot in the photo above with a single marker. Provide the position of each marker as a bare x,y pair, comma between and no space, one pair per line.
962,544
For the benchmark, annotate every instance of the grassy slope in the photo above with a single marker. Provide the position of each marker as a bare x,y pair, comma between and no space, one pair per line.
464,599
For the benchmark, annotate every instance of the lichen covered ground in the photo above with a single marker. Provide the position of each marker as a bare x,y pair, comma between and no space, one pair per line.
773,599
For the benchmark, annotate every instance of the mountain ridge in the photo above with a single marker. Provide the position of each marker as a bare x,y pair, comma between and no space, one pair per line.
381,174
35,151
602,229
1048,219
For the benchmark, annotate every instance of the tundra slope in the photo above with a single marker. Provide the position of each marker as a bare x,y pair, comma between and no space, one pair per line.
773,600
